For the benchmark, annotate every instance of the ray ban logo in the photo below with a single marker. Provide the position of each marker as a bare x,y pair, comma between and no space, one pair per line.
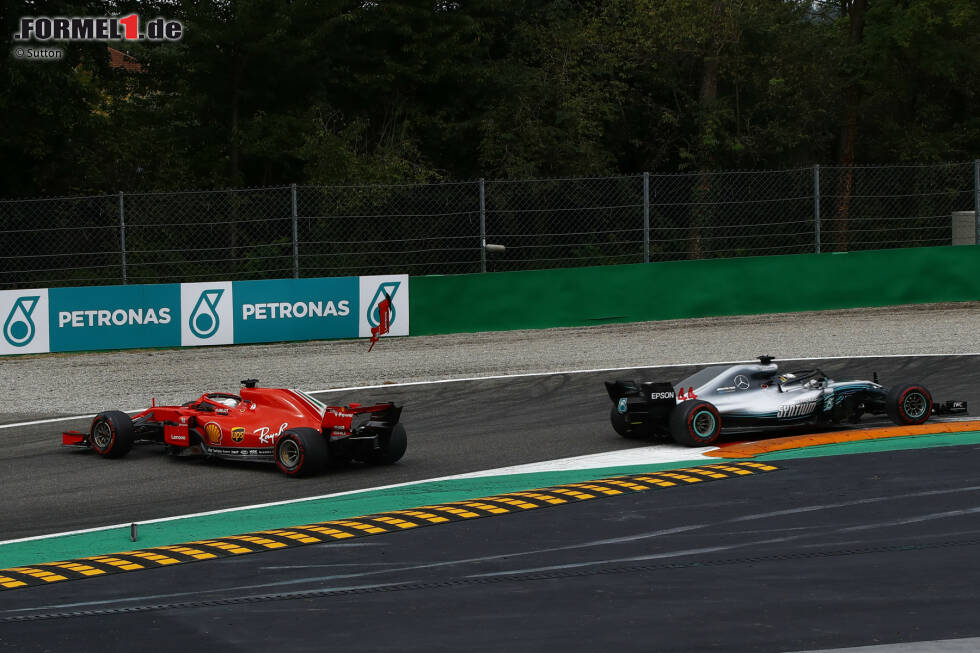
98,28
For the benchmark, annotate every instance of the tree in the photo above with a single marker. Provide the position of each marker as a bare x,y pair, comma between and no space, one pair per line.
555,103
48,109
908,71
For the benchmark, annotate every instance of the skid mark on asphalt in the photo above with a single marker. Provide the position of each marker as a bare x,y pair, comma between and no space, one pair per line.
808,532
517,573
855,502
391,521
914,520
795,534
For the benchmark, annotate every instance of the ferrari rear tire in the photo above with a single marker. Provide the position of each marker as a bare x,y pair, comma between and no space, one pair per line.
112,434
909,403
695,423
621,426
393,447
301,452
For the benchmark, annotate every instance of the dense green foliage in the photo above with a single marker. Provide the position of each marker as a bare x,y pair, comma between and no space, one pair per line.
266,92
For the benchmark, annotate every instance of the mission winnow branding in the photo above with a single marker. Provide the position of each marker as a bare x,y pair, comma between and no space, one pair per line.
195,314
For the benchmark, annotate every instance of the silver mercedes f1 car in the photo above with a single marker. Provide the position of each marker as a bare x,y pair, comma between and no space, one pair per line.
758,395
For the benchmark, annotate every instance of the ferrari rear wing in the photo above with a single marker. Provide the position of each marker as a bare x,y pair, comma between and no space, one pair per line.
387,413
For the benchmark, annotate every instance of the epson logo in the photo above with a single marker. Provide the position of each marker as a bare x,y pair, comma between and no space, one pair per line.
661,395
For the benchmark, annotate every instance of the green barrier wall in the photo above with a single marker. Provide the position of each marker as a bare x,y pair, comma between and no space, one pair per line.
683,289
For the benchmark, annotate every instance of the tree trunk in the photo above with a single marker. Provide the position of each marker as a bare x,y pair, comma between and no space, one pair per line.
234,164
856,11
702,211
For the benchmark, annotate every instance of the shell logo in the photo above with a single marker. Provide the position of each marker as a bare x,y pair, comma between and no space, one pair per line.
213,432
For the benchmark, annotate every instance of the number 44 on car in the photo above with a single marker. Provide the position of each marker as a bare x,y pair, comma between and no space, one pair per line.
758,395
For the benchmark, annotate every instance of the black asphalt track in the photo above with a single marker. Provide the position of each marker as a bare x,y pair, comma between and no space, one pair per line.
874,548
452,428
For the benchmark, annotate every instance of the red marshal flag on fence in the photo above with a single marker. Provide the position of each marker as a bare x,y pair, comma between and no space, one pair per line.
384,320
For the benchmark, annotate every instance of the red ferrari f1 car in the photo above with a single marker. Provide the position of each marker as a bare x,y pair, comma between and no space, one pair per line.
288,427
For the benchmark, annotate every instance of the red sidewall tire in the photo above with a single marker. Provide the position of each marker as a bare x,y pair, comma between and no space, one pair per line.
104,449
300,452
111,434
898,401
683,426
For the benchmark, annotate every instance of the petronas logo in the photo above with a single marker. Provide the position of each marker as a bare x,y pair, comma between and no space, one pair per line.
204,321
19,329
374,314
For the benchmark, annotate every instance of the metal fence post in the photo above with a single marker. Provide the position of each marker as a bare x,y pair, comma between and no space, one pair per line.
122,235
646,217
816,208
295,236
483,226
976,199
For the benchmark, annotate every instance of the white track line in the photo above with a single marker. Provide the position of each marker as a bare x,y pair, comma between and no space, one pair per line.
98,529
59,419
640,456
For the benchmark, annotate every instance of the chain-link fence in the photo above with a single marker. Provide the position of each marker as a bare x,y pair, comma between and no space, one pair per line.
453,228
